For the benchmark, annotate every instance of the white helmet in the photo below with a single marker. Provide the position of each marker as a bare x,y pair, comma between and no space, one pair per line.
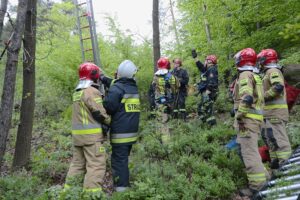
126,69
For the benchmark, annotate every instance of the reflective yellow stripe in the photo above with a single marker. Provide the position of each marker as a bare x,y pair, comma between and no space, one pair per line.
92,190
87,131
98,100
123,140
255,116
131,100
269,107
245,89
259,177
77,95
84,114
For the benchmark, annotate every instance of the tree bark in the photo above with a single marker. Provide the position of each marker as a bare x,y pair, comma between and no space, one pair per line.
207,27
3,10
24,135
10,77
174,24
156,40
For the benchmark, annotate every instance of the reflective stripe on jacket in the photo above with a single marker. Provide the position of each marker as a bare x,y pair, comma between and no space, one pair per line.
123,104
85,129
275,103
249,84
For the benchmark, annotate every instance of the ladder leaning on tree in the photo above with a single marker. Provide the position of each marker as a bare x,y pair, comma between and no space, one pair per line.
87,31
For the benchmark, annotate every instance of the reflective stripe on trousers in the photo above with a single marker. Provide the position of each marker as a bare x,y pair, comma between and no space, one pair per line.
278,103
123,137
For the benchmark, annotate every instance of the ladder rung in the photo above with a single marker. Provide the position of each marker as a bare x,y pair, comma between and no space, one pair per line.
84,27
88,50
87,38
80,4
84,15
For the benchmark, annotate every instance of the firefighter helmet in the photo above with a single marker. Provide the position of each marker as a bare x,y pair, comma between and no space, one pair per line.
211,59
126,69
89,71
163,63
245,57
267,56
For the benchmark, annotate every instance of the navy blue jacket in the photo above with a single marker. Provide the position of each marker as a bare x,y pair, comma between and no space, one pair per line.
209,77
123,104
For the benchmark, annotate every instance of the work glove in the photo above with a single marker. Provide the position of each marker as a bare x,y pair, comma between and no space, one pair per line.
101,77
232,112
194,53
241,125
105,129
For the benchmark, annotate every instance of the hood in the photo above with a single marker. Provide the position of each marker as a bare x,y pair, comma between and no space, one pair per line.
84,84
161,72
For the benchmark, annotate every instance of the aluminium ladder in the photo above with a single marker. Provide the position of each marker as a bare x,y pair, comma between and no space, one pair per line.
87,31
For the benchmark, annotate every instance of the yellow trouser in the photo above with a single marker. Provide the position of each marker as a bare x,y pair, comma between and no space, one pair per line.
275,136
88,161
248,141
162,127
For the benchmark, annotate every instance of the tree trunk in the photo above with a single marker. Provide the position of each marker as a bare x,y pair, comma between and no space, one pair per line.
207,27
155,24
23,143
174,24
10,77
3,10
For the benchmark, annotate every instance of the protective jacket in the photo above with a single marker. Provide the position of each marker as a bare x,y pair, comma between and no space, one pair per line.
123,104
275,95
182,77
248,96
208,78
166,87
88,114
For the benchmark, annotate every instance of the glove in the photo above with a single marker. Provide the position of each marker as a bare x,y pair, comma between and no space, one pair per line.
194,53
232,112
241,124
101,77
105,129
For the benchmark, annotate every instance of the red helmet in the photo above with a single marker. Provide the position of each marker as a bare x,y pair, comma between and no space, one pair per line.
211,58
267,56
177,61
89,71
245,57
163,63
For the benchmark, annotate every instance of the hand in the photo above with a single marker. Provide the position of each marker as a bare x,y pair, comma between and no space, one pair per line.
242,127
101,77
105,129
194,53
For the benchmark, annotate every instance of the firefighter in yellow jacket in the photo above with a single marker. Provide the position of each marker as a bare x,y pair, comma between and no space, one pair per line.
165,88
248,97
89,158
276,112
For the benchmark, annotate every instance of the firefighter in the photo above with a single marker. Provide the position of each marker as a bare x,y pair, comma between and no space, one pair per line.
276,113
151,99
89,157
207,87
123,104
249,101
183,77
166,86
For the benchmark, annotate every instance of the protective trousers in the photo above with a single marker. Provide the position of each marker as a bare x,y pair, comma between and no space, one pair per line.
89,164
205,109
179,107
275,136
248,143
119,164
162,128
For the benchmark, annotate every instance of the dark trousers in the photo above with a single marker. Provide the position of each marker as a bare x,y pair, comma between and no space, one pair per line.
119,164
205,108
179,106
